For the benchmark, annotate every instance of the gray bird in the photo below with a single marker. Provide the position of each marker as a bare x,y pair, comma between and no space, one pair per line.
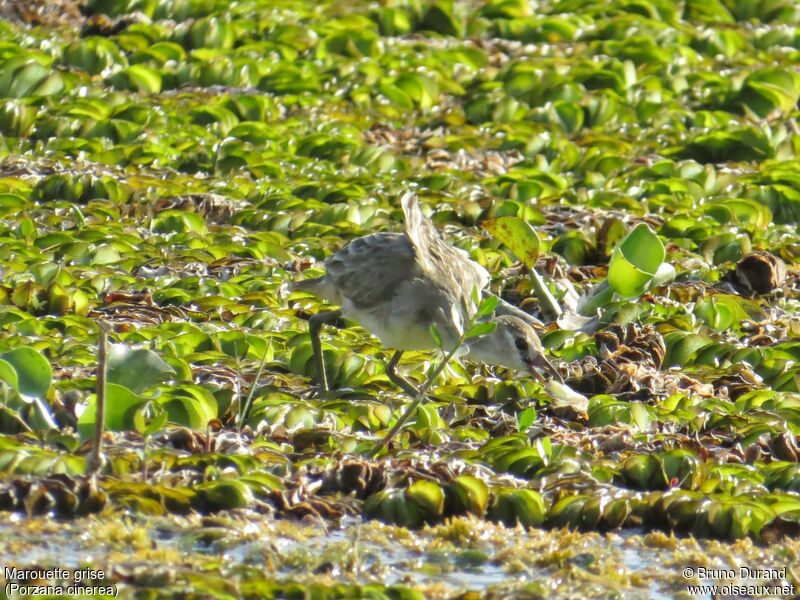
396,285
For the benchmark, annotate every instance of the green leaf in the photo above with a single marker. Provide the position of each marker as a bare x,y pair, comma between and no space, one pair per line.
635,262
466,494
641,416
191,406
517,235
437,338
121,406
506,9
226,494
439,18
480,329
137,369
427,497
526,418
525,507
34,374
142,79
178,221
9,374
681,347
421,89
487,307
720,311
155,413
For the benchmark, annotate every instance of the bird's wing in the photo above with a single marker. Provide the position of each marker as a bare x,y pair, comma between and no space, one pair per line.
369,270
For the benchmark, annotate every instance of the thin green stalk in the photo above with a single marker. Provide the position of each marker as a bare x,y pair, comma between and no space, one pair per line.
418,398
243,412
549,304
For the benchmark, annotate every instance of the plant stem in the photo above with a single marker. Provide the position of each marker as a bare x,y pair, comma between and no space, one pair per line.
244,410
549,304
418,398
96,456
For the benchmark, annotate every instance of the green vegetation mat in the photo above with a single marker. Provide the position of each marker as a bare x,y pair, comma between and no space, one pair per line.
169,166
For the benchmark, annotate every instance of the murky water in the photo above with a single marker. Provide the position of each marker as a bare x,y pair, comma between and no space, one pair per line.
446,559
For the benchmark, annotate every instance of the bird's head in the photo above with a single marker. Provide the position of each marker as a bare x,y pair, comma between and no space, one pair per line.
513,344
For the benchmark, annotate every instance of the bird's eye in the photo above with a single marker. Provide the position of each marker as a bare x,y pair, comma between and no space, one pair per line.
521,344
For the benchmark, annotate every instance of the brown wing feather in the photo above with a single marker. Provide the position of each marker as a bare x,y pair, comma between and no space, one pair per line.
369,270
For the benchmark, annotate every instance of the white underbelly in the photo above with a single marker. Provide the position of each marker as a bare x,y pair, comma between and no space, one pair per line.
394,332
397,329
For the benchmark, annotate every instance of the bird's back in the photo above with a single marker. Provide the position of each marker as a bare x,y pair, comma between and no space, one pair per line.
368,271
397,284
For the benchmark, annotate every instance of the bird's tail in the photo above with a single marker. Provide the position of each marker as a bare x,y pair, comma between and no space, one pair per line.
418,227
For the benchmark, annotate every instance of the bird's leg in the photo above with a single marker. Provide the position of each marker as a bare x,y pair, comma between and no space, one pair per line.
315,324
397,379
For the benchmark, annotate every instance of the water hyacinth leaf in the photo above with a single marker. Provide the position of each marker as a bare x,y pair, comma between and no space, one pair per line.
121,406
570,114
466,494
392,506
770,89
299,418
94,54
428,497
720,311
679,467
601,295
664,274
139,78
635,262
136,369
506,9
522,506
428,418
681,347
34,374
28,79
177,221
396,95
225,494
573,246
394,21
641,416
62,301
517,235
440,19
9,374
568,511
609,235
191,406
639,470
421,89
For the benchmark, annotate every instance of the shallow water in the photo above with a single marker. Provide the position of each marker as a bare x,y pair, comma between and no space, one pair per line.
443,560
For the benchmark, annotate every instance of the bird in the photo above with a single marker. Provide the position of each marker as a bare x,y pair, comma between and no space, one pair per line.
396,285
